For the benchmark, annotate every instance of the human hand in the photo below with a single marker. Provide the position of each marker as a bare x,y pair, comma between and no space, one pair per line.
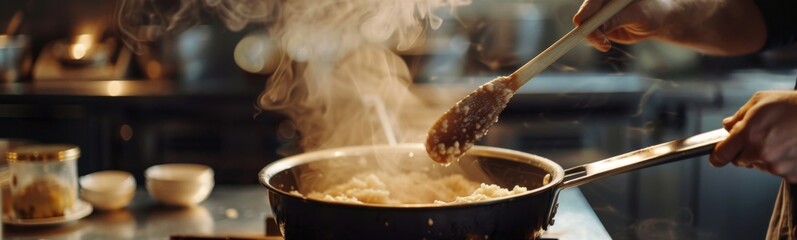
763,135
638,21
716,27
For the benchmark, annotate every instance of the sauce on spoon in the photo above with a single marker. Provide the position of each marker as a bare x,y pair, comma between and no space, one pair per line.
460,127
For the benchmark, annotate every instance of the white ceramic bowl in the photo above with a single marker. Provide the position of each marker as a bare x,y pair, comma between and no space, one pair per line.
108,190
179,184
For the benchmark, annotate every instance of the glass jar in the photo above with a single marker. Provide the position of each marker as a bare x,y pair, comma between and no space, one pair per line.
43,180
7,144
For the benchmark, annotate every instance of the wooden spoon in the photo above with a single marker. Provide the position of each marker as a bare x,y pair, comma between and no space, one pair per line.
461,126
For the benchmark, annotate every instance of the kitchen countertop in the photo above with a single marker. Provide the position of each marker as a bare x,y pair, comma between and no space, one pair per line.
241,211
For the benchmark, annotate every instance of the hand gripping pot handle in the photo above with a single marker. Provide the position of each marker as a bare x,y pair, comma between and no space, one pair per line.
680,149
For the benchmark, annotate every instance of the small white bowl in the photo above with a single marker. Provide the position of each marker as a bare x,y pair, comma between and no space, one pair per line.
179,184
108,190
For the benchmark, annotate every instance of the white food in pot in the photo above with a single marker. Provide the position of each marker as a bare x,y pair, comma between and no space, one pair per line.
486,192
411,188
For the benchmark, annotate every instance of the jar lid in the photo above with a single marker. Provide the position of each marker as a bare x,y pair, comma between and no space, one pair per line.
10,143
44,153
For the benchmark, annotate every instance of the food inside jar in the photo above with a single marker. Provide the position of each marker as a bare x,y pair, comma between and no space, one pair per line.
43,198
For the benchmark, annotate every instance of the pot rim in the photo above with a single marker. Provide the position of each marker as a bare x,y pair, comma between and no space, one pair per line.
556,171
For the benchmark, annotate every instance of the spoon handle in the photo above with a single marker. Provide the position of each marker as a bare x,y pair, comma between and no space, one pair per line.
567,42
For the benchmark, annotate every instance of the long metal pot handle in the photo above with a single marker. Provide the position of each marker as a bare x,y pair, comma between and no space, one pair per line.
680,149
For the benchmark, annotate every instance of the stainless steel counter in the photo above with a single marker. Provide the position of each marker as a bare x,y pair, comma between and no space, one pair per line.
241,211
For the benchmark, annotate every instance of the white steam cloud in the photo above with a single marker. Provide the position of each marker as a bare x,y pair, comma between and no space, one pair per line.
343,69
338,71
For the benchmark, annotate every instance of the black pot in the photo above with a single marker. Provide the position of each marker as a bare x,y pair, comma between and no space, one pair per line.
521,216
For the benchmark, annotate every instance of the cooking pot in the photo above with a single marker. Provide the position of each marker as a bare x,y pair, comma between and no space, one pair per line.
520,216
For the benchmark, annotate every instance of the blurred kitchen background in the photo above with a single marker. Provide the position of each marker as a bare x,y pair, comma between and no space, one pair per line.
189,96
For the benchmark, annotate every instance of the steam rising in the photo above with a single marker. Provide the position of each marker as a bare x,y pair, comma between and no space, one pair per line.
337,69
338,78
336,105
142,21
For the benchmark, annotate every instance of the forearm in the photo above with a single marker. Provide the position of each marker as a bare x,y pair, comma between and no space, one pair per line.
717,27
